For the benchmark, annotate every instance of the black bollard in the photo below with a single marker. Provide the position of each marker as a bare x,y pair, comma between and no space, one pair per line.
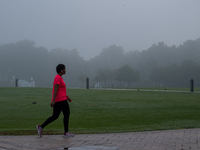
16,83
191,85
87,83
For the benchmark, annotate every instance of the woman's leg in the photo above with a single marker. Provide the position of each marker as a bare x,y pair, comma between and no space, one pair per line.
66,113
56,113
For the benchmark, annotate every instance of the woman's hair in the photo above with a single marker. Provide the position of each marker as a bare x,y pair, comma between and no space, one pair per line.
59,68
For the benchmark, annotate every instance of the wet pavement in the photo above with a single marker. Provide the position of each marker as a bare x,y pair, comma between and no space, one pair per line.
185,139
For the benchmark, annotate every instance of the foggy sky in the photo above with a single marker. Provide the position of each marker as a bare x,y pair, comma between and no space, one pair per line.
91,25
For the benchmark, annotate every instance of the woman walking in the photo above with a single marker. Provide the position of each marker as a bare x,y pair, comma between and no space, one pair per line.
58,102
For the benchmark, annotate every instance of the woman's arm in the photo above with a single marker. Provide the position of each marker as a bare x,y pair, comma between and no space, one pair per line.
56,86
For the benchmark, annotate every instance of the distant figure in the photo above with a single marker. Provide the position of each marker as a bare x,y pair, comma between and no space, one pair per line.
58,102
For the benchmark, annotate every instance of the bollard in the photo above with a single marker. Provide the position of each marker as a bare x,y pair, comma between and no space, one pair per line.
16,83
191,85
87,83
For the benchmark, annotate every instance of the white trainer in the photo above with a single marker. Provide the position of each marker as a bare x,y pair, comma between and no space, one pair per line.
39,129
68,134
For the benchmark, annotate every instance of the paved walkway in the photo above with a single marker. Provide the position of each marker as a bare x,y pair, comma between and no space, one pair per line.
156,140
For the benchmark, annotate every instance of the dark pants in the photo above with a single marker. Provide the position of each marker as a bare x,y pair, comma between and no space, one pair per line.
58,107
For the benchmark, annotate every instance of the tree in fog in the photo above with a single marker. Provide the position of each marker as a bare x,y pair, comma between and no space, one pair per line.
111,57
169,76
24,61
127,74
175,75
190,69
103,75
81,78
159,65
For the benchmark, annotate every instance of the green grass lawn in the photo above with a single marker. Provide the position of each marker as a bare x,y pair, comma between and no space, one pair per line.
99,111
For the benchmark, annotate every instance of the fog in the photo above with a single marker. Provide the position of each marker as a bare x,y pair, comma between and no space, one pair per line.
91,25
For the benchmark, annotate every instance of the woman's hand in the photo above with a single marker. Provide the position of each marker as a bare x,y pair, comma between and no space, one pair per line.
69,99
52,104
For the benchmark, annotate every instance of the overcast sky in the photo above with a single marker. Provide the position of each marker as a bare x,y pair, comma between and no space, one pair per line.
91,25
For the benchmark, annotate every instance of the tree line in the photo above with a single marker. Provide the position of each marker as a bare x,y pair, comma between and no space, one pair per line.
159,65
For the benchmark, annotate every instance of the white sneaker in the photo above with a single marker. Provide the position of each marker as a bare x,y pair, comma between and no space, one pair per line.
68,134
39,129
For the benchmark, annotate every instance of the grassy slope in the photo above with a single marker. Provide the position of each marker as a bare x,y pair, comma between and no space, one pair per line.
99,111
